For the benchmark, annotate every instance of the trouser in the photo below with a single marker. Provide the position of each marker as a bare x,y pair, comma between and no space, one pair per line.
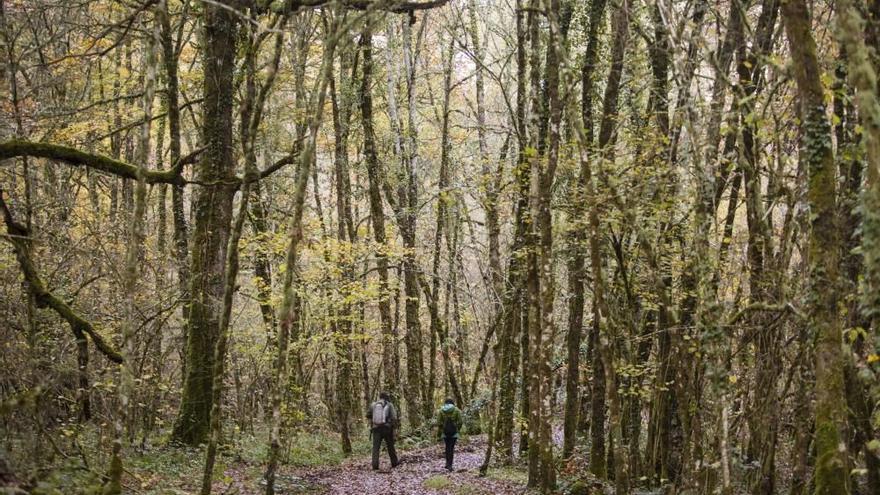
383,433
450,451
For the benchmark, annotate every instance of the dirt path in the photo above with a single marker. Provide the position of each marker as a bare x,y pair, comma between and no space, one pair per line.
421,472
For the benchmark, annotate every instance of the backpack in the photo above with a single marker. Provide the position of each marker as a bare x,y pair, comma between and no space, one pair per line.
380,413
450,429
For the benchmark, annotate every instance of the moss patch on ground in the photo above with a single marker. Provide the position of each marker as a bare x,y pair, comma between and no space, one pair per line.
511,474
438,482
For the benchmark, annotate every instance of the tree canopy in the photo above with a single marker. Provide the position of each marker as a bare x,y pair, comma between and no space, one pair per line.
637,243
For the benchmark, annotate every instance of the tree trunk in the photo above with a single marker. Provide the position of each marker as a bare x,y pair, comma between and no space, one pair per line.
421,407
577,239
180,235
863,74
251,116
602,351
377,212
507,347
406,213
134,253
213,214
444,199
764,411
345,234
219,372
289,310
490,181
493,230
831,475
543,334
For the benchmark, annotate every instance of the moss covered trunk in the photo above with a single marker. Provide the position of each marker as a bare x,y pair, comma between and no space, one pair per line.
341,105
831,474
507,351
862,225
213,215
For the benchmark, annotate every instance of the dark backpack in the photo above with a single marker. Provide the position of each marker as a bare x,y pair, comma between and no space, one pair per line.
450,429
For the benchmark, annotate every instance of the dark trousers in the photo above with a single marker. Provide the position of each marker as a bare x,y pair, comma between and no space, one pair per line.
450,451
383,433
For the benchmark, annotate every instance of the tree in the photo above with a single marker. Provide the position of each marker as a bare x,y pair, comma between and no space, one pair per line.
831,463
650,228
212,209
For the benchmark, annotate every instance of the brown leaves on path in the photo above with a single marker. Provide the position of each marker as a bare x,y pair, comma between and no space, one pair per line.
421,472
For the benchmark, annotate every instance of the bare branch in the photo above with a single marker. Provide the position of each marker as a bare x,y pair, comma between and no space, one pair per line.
18,236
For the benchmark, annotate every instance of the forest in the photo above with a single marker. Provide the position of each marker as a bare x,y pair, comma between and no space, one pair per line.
636,243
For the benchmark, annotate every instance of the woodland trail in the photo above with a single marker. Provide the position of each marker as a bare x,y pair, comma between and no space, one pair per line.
421,472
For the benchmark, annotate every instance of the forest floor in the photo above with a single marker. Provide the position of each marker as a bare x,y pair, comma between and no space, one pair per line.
421,472
315,466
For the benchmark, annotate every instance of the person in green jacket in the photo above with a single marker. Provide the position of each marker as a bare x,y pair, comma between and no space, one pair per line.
449,423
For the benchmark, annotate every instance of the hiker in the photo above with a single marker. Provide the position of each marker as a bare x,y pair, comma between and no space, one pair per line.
449,422
383,422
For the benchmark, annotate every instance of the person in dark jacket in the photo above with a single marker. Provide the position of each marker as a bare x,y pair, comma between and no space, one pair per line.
383,421
449,423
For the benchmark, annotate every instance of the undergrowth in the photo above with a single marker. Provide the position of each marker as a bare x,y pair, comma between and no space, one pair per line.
158,467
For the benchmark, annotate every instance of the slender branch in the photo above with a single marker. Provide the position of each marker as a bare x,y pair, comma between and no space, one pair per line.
139,122
19,238
771,308
126,25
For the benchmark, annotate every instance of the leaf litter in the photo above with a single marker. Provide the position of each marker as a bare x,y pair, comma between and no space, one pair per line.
421,471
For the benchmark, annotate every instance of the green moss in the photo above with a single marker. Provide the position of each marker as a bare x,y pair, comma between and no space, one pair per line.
14,148
445,484
509,473
579,488
468,489
437,482
830,476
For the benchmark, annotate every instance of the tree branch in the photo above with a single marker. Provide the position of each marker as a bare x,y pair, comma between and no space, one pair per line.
768,308
391,6
18,237
396,7
16,148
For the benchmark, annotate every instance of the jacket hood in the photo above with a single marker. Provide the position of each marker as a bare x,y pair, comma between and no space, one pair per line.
447,407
